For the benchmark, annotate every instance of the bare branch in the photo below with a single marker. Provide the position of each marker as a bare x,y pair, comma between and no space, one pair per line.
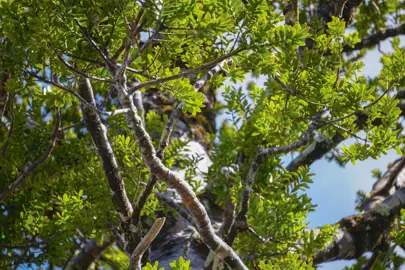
98,133
383,187
98,63
176,181
316,150
294,92
139,104
143,47
372,260
78,123
363,232
30,168
134,31
72,252
165,138
315,124
135,261
255,165
322,145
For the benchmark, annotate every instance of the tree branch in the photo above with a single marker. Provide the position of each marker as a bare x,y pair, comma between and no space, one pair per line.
364,232
134,31
135,260
375,38
174,180
186,73
255,165
94,45
165,138
264,153
98,133
360,233
322,145
30,168
89,254
316,150
78,96
81,73
169,201
383,187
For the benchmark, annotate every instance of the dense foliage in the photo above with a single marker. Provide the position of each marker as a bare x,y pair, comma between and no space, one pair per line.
70,70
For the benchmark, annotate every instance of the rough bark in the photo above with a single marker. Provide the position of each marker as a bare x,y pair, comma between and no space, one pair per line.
174,180
360,233
98,133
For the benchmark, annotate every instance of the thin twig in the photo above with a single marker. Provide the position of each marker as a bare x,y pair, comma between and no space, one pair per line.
186,73
371,261
93,44
30,168
81,73
72,253
365,107
128,44
79,97
295,92
254,166
78,123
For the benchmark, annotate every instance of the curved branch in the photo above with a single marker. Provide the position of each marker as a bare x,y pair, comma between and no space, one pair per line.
135,260
30,168
156,167
164,140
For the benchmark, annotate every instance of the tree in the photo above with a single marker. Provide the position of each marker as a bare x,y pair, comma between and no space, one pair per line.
99,101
